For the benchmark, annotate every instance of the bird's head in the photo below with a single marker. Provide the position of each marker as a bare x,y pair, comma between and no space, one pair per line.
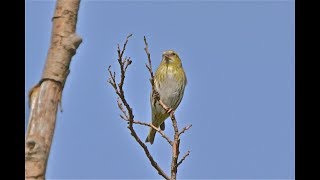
170,57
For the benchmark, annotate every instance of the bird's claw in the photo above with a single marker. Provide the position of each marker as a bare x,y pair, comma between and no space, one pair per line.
156,95
169,110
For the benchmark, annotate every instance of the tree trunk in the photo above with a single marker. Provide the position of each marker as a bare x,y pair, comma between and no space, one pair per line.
45,97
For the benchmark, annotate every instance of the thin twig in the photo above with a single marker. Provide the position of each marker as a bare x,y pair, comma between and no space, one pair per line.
128,113
184,129
162,134
176,141
120,105
149,67
155,128
145,148
183,158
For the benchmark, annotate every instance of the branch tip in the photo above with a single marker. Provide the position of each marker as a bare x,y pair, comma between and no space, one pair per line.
185,129
183,158
127,112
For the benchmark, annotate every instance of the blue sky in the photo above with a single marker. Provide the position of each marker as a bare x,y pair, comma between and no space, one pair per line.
239,61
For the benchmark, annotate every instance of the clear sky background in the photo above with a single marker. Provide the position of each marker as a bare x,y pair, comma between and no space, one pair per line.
239,61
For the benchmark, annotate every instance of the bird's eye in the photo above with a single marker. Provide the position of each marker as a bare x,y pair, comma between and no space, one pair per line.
173,54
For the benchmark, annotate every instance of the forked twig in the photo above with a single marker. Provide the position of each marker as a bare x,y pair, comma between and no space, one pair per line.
127,112
183,158
122,102
184,129
176,141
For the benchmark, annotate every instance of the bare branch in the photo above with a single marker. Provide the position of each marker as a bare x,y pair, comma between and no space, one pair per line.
125,107
163,105
176,142
112,79
122,117
162,134
155,128
175,147
149,65
183,158
184,129
127,64
125,44
127,113
120,105
152,161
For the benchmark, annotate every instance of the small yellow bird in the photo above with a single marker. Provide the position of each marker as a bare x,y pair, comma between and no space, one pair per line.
170,81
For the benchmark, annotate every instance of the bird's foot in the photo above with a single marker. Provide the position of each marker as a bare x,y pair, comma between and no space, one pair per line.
166,108
156,97
169,111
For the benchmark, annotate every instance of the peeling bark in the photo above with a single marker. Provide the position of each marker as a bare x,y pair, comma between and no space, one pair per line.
45,97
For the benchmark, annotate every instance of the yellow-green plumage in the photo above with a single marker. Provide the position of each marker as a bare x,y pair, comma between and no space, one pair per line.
170,81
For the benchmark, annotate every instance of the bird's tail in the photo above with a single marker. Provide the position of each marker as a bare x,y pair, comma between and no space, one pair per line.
150,137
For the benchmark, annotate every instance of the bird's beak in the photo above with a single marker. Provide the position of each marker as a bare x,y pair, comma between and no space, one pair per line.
167,58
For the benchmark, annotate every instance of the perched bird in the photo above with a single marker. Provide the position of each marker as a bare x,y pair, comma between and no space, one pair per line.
169,81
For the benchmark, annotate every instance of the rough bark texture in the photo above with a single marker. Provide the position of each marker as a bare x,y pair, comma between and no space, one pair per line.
45,97
175,148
